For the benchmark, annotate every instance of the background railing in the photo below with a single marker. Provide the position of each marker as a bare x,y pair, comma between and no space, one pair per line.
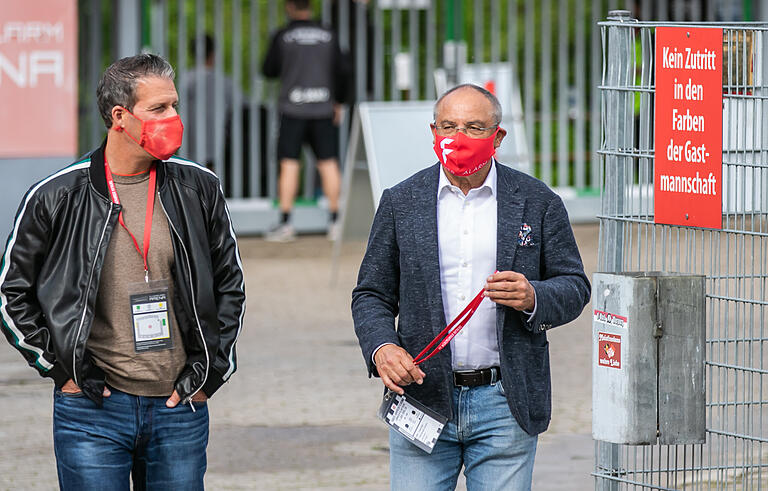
733,259
552,47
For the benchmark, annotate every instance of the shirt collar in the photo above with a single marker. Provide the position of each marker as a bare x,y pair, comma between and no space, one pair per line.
489,183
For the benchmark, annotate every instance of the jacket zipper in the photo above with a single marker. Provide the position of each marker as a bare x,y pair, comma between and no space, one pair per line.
85,305
194,308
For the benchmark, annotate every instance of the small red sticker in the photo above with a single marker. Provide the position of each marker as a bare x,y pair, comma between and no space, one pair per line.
609,350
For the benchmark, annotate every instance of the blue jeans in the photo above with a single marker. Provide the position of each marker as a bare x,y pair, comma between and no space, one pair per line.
98,449
483,436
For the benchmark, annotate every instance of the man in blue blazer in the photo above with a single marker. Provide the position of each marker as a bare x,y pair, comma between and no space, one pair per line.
463,226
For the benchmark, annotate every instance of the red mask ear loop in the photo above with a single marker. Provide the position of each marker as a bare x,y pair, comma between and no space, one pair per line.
117,127
120,129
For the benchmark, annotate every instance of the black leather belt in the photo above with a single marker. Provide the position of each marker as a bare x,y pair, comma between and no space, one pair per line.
473,378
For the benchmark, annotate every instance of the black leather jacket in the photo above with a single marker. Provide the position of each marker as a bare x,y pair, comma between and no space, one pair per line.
51,267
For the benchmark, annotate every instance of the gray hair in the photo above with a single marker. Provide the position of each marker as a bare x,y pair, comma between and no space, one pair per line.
117,86
492,98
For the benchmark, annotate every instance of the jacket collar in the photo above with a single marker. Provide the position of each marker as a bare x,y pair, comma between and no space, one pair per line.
509,216
99,178
489,182
302,23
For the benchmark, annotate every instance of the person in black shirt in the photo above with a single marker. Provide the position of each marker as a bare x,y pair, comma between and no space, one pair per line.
306,57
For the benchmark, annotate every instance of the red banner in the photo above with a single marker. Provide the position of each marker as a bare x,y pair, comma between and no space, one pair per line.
688,126
38,78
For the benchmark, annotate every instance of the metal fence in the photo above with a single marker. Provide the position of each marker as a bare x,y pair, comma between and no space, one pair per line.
551,47
734,259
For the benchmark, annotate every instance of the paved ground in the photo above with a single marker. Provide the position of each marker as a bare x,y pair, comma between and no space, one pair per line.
299,413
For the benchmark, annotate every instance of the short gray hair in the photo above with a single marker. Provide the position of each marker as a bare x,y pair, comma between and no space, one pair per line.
117,86
492,98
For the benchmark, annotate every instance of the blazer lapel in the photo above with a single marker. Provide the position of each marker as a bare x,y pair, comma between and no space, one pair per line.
510,205
509,216
425,234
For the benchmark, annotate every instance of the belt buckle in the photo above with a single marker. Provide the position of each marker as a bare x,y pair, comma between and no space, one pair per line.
460,378
474,379
467,378
456,381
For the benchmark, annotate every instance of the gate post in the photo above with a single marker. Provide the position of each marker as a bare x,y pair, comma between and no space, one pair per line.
128,28
617,121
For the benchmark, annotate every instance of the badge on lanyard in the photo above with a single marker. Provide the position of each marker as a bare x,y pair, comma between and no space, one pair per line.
412,419
149,300
150,307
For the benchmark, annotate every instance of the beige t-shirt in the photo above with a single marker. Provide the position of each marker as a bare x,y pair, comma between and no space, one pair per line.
111,342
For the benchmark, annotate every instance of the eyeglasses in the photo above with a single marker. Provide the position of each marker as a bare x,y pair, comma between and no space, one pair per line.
450,129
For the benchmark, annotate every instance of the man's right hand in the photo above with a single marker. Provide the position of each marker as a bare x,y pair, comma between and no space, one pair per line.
71,388
396,368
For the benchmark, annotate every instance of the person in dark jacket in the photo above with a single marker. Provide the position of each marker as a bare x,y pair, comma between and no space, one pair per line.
471,232
312,71
121,281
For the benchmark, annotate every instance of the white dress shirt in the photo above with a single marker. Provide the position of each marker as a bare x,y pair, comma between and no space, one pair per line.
466,241
466,238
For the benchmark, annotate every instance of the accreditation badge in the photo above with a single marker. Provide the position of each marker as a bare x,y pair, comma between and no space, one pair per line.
412,419
150,316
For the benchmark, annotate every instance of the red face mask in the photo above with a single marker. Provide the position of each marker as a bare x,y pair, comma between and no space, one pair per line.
159,137
462,155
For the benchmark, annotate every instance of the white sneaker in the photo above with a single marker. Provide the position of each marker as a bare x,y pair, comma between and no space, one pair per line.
281,233
334,231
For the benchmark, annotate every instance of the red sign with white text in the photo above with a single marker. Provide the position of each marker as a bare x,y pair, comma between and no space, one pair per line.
38,78
689,127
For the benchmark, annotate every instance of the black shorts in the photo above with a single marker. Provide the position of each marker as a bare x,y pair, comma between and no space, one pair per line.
321,134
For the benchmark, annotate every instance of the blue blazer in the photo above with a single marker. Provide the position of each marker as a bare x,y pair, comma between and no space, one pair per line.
400,278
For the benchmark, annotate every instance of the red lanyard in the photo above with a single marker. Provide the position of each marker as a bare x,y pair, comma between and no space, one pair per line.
450,331
148,217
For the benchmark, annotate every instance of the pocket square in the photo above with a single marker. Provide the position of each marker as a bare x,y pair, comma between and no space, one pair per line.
524,237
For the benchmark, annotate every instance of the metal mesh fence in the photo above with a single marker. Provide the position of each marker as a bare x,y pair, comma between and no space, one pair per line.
733,259
551,49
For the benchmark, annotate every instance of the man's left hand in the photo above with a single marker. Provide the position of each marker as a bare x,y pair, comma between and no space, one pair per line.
173,401
511,289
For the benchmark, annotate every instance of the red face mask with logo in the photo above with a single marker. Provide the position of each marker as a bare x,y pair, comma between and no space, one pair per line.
159,137
462,155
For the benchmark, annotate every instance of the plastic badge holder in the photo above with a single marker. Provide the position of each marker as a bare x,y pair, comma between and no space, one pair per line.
412,419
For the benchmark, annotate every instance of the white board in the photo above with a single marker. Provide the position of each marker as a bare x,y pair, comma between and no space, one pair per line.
498,78
388,142
397,141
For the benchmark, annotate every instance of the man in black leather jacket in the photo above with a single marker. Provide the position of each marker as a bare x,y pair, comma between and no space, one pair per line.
122,281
